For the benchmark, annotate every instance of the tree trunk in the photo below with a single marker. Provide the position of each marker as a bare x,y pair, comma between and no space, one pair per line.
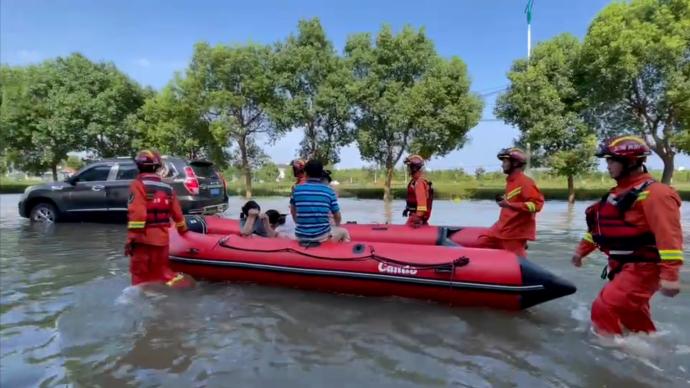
311,141
667,176
571,189
387,195
246,169
388,212
53,169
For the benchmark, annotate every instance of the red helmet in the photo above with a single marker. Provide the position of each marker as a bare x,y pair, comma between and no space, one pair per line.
298,167
514,154
148,158
624,147
414,162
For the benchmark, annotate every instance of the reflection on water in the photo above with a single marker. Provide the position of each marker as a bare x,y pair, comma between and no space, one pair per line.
67,316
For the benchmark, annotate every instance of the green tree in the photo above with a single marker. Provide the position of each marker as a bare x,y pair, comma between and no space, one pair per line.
635,69
74,162
407,99
108,100
236,89
545,104
174,122
225,97
315,80
17,119
66,104
268,172
41,122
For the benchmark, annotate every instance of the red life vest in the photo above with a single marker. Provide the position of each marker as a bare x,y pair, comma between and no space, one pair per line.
158,200
411,201
620,240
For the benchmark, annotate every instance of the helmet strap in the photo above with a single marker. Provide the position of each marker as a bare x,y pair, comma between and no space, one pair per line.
149,168
414,169
514,166
631,167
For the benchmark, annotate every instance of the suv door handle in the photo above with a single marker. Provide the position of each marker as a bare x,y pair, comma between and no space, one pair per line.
97,187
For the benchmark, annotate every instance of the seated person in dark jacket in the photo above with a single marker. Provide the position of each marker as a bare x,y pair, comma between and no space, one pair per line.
252,221
268,224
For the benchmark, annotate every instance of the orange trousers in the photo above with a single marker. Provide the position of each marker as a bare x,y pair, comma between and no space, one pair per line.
149,264
516,246
623,303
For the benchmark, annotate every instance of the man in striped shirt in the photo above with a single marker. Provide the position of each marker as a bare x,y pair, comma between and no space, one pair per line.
311,204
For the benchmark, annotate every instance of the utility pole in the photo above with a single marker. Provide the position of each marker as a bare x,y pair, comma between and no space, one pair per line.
528,12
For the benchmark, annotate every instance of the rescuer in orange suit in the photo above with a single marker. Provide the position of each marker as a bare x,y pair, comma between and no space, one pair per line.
420,194
151,205
522,200
637,225
298,172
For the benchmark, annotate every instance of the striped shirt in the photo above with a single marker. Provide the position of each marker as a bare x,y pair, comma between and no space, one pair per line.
313,202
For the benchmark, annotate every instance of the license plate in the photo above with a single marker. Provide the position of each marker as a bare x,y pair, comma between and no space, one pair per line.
215,192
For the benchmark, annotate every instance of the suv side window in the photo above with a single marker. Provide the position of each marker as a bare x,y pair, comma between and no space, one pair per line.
127,172
169,169
98,173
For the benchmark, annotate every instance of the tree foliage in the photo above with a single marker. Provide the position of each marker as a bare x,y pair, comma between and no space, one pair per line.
235,89
66,104
406,98
315,81
543,101
635,71
173,122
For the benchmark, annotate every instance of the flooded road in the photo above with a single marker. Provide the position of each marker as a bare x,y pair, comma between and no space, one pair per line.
67,316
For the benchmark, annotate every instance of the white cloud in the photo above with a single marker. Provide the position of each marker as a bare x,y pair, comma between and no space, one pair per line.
143,62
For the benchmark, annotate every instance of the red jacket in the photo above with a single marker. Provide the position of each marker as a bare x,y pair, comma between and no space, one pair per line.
419,194
137,228
518,222
657,210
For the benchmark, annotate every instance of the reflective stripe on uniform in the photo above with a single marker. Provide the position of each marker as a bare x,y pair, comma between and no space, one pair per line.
136,224
421,208
174,280
514,192
531,206
671,254
588,237
642,196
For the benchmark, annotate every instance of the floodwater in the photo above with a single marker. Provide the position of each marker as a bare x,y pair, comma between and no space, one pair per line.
68,317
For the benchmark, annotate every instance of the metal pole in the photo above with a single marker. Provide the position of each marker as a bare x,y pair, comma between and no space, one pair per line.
529,39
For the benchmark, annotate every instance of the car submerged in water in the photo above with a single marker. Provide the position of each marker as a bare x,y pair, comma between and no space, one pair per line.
98,192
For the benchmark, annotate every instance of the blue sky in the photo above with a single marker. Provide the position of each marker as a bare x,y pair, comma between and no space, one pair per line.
151,39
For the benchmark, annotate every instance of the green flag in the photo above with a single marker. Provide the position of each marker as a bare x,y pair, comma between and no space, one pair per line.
528,10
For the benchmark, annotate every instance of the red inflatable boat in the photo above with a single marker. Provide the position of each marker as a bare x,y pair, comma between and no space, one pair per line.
401,234
450,274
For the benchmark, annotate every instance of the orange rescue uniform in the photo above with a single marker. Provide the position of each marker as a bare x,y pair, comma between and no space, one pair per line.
624,301
419,200
516,223
151,205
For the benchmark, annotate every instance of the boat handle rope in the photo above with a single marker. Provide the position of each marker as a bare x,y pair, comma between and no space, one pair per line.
443,267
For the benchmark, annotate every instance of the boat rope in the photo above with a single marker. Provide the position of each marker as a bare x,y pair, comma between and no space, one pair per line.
441,267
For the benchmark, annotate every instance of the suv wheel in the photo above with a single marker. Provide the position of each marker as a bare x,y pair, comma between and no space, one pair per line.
44,213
